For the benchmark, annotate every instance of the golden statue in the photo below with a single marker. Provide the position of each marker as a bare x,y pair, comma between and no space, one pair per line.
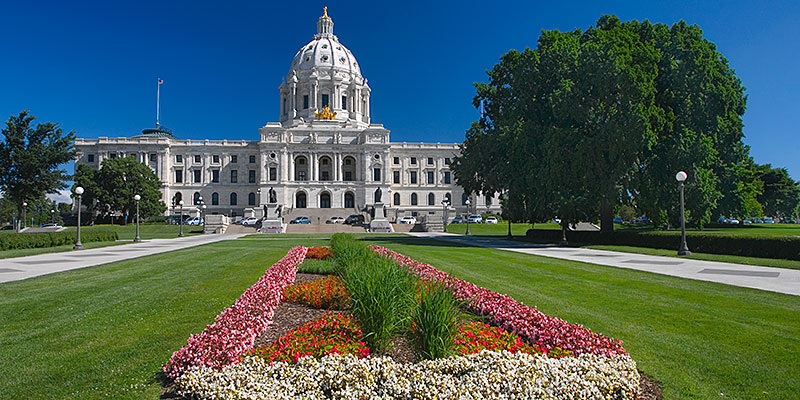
325,114
325,12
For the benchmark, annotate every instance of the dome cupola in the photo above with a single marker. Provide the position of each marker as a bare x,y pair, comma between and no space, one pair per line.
324,73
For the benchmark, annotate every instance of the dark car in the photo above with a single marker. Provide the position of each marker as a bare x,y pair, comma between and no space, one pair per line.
355,219
300,220
7,228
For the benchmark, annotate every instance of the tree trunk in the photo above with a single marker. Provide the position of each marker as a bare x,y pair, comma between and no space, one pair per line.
563,232
606,215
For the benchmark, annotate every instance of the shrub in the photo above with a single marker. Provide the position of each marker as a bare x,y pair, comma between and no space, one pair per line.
785,247
329,334
319,253
13,240
435,321
322,267
327,293
382,291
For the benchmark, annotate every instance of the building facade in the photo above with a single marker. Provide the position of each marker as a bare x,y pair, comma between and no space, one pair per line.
324,152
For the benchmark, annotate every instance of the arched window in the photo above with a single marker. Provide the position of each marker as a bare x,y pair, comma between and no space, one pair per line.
251,199
233,199
300,200
397,199
300,169
349,200
348,168
215,199
431,199
325,200
463,199
413,199
325,169
196,198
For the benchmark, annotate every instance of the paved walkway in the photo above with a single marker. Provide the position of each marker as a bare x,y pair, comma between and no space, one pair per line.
14,269
780,280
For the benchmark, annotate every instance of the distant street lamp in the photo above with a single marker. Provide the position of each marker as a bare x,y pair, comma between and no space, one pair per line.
468,203
445,203
24,214
684,249
137,238
78,244
180,217
52,216
505,197
203,217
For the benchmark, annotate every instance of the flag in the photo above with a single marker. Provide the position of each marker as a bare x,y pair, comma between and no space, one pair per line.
160,81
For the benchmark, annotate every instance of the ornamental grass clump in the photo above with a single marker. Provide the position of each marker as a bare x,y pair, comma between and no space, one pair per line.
381,290
435,319
327,293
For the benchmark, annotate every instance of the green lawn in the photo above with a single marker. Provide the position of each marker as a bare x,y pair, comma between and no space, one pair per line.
146,231
104,331
765,262
55,249
500,229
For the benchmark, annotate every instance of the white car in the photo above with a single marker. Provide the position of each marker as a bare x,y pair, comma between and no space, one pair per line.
475,219
491,220
408,220
249,221
335,220
193,221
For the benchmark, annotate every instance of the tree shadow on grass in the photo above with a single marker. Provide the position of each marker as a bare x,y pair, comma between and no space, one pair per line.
412,241
168,388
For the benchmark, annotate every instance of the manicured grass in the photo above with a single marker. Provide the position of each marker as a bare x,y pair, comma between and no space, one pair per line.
765,262
55,249
500,229
146,231
103,332
699,339
285,236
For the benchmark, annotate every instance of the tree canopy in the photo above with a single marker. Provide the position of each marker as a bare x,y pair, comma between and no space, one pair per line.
605,116
31,154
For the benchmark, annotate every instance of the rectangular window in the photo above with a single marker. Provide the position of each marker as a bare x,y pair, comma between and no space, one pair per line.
251,176
348,175
273,174
90,157
430,177
305,102
325,176
396,160
252,159
198,176
178,176
234,159
447,161
376,174
447,177
396,176
301,176
215,159
152,156
214,176
413,176
234,176
179,158
344,102
112,155
414,160
197,159
430,160
324,100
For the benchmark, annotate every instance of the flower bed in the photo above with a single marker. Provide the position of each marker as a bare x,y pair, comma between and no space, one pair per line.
319,253
488,374
235,328
326,293
475,337
505,312
330,334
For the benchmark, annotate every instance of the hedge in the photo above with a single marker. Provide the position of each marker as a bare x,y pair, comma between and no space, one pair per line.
13,240
785,247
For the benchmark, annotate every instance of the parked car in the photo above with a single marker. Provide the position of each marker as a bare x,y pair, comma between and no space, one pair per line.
407,220
769,221
733,221
300,220
335,220
7,228
475,219
249,221
355,219
491,220
457,220
641,220
194,221
618,220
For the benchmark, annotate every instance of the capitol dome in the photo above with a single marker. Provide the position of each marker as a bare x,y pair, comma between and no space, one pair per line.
324,73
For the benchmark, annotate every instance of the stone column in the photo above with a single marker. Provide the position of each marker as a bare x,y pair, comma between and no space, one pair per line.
291,166
284,166
293,100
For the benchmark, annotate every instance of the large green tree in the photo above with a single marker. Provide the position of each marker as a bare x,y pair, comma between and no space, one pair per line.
86,177
117,182
31,154
781,195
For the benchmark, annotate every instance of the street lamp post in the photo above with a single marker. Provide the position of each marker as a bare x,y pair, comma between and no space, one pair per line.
52,216
468,203
684,249
137,238
181,219
505,197
78,244
203,217
445,203
24,214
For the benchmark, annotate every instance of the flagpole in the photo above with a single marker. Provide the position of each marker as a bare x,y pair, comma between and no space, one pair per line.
158,100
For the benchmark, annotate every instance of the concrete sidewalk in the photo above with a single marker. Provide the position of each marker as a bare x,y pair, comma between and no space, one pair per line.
14,269
779,280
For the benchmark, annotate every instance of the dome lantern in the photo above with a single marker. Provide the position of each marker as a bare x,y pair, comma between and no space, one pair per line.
325,24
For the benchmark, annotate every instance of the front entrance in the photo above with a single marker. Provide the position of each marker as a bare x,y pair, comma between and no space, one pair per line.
349,200
325,200
300,200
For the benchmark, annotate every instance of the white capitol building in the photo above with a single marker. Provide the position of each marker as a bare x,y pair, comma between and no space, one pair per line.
325,152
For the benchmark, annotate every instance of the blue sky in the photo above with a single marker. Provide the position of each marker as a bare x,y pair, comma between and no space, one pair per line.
92,66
